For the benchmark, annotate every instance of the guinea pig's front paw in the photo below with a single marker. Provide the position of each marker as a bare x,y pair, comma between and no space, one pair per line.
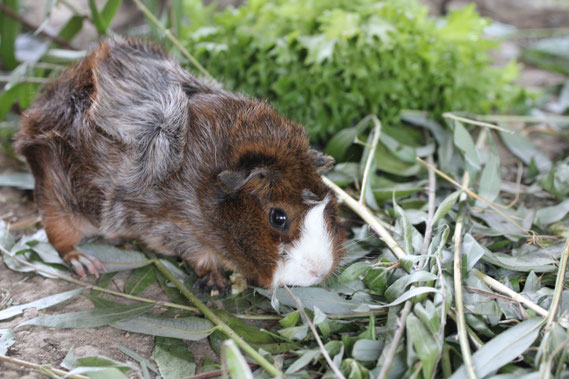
77,260
212,282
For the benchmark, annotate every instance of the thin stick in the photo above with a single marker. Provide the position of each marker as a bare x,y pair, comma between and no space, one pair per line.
518,186
371,156
172,39
24,224
558,286
525,119
368,217
97,288
57,39
40,368
457,270
272,370
497,286
395,342
25,79
337,372
477,123
477,197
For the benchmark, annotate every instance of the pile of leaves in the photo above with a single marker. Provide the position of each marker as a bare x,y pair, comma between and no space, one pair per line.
471,263
328,64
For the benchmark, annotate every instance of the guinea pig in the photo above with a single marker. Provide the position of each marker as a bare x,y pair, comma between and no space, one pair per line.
128,144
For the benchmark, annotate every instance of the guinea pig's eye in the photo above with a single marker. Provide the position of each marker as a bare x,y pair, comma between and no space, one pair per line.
278,219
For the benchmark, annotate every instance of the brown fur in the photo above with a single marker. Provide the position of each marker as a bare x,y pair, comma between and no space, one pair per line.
126,143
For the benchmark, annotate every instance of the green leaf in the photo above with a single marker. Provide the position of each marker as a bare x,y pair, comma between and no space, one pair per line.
367,350
140,279
400,285
186,328
289,320
503,348
173,358
326,301
354,271
103,19
303,361
524,149
424,343
113,258
250,333
142,361
415,291
549,215
339,144
9,30
71,28
233,361
464,142
43,303
99,367
490,180
90,319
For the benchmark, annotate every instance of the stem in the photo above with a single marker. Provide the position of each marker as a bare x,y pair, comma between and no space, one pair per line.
368,217
477,123
272,370
337,372
558,286
457,269
40,368
371,156
388,361
172,39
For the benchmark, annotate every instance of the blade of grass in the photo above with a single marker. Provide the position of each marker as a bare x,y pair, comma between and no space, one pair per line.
172,39
477,123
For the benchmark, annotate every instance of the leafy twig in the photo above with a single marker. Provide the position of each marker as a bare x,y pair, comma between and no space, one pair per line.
57,39
172,39
272,370
457,270
368,217
337,372
97,288
40,368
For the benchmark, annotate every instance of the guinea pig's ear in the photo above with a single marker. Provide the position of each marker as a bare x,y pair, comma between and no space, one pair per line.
321,161
232,181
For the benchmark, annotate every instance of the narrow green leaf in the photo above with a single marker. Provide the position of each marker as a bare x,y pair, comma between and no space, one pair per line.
400,285
234,362
464,142
367,350
140,279
524,149
9,30
326,301
142,361
113,258
490,180
303,361
354,271
549,215
90,319
173,358
445,206
424,343
108,12
43,303
503,348
187,328
71,28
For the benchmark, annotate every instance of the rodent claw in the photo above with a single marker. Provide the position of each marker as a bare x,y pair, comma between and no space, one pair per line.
93,265
78,267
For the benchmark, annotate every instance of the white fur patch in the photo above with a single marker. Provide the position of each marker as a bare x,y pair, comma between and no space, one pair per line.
310,258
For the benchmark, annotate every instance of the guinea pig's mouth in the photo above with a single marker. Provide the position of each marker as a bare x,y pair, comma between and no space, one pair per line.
308,260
